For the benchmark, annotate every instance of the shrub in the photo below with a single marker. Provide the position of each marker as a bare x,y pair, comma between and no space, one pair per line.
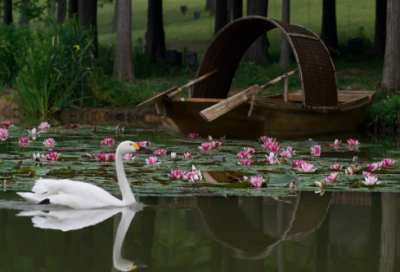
52,66
386,108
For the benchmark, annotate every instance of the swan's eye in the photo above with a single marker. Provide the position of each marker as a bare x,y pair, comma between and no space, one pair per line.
136,146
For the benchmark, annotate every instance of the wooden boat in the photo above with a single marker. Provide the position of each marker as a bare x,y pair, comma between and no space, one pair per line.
318,108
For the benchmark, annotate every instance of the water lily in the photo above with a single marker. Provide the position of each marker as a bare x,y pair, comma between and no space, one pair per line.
271,158
350,171
249,150
52,156
187,155
316,150
265,139
216,144
374,167
107,141
336,167
275,147
3,139
256,181
129,157
36,156
194,175
160,152
205,146
243,155
320,184
353,142
332,177
173,155
6,124
44,125
352,147
267,145
34,132
244,162
355,159
105,157
177,174
366,174
50,142
287,153
152,161
144,143
297,163
23,141
336,144
193,135
4,132
306,167
387,162
371,180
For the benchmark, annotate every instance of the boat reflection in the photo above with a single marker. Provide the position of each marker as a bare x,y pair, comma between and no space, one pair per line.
69,220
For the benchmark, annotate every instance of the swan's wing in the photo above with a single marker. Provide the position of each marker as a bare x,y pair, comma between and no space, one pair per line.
69,219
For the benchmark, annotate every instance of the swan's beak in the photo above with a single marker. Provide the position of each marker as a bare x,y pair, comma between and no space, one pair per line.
143,149
136,266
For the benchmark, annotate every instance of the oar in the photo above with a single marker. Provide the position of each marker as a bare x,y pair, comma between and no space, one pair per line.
232,102
171,92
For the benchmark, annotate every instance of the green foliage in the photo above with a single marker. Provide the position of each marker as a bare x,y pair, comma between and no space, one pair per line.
52,66
386,108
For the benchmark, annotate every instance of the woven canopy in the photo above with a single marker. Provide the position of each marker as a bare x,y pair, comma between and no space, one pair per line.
316,70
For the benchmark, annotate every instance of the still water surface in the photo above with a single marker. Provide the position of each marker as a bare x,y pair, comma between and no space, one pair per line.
303,232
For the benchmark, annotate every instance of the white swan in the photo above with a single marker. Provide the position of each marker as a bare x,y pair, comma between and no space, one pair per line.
67,220
81,195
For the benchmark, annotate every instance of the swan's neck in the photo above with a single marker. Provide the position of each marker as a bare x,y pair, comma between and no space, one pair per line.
127,216
127,196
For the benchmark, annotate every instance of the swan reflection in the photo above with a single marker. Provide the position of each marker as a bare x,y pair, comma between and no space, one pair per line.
67,220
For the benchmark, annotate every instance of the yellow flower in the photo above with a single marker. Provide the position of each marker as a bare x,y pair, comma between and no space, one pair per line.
77,47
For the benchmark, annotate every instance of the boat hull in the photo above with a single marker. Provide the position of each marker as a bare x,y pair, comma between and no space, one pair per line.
266,119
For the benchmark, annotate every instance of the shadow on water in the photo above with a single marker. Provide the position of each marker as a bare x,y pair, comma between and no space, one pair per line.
332,232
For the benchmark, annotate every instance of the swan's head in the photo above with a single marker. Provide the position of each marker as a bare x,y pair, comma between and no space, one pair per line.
130,147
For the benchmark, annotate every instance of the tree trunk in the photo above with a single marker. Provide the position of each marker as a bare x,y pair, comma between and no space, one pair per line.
237,9
61,10
380,28
72,8
115,17
391,67
329,29
221,18
87,11
390,210
123,65
24,17
258,51
155,38
7,17
284,61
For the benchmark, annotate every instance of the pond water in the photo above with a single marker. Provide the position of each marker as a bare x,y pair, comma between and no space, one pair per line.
305,232
218,222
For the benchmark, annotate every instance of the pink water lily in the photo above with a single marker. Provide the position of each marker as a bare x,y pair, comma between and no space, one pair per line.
36,156
353,142
350,171
34,132
52,156
44,125
387,162
244,162
374,167
275,147
216,144
160,152
152,161
366,174
332,177
6,124
3,139
271,158
177,174
107,141
193,135
287,153
172,155
297,163
4,132
316,150
50,142
105,157
256,181
187,155
205,146
249,150
371,180
306,167
336,144
23,141
265,139
129,157
243,155
194,175
144,143
336,167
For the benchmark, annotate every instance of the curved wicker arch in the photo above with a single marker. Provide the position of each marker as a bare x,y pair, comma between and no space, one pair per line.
316,69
